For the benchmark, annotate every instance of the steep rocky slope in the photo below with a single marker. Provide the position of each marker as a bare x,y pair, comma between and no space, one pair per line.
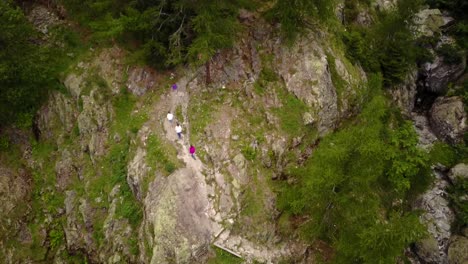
104,178
114,184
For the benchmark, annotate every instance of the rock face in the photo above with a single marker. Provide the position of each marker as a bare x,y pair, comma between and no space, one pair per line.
404,94
137,170
140,80
448,118
438,217
438,74
176,215
15,191
58,115
307,76
306,72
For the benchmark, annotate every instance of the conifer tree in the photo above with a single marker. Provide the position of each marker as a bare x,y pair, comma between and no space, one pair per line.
24,69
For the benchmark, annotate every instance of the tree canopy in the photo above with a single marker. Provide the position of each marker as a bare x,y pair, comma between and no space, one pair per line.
24,66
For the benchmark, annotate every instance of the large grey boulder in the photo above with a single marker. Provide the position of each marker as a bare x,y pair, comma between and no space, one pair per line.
460,171
438,74
176,217
448,118
429,21
426,250
458,250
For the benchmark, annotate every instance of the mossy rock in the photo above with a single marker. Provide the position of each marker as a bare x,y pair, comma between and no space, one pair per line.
458,250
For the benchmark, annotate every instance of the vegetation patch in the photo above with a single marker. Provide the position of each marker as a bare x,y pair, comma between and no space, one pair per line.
290,113
347,189
223,257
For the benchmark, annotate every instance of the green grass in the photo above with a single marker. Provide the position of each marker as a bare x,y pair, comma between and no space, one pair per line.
223,257
290,114
178,114
338,82
160,156
125,119
444,154
201,114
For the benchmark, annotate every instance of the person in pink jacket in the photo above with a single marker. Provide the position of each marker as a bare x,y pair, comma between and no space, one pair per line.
192,151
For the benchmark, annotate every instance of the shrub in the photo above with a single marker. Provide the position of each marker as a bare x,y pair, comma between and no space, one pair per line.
444,154
452,53
249,153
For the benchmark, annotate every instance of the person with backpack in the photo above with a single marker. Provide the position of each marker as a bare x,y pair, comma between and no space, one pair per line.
170,116
178,130
192,151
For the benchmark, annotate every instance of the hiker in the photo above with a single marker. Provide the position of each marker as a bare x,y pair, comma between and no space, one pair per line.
178,130
192,151
174,87
170,116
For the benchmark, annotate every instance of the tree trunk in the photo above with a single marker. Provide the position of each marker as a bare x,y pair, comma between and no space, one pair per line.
208,73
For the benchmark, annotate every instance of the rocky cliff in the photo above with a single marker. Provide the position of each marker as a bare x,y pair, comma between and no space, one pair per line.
105,178
114,184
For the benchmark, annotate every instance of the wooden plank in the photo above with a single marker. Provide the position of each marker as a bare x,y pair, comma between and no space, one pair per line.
227,250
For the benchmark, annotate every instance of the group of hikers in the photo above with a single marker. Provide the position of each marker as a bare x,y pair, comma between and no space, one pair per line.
178,127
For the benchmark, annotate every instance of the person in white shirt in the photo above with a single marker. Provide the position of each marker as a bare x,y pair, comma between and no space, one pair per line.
178,130
170,116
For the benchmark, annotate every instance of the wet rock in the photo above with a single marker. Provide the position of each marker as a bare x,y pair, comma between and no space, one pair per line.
460,171
447,118
458,250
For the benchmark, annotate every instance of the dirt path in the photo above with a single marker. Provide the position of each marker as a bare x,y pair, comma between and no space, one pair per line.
180,97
